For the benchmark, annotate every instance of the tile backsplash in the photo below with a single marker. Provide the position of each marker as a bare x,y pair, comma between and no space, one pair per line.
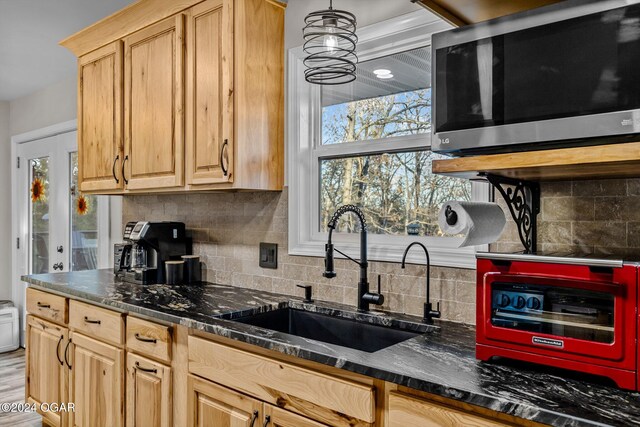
596,216
601,217
227,229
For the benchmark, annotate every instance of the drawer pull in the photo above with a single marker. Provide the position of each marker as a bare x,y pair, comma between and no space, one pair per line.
145,339
58,350
153,371
267,420
40,305
94,322
254,418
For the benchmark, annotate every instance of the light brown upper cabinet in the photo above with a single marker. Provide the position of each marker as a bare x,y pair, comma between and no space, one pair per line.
209,108
100,119
153,110
198,97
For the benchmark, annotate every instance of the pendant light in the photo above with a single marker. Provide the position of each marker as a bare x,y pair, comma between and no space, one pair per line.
330,47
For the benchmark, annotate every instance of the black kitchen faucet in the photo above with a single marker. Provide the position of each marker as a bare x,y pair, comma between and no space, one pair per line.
429,312
364,296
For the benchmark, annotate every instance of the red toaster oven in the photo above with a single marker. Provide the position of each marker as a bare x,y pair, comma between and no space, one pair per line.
573,313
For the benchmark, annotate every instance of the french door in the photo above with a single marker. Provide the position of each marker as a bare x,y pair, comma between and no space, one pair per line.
58,228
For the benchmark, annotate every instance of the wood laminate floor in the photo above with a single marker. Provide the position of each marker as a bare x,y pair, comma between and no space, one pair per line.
12,367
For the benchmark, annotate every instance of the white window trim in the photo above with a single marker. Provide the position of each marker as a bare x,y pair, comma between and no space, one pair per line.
398,34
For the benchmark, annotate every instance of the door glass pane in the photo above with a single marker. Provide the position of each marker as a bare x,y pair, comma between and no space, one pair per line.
555,310
39,215
84,224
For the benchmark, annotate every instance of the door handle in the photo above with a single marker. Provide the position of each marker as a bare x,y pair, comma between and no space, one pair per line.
66,353
254,418
58,350
225,146
60,249
267,420
124,162
58,266
113,169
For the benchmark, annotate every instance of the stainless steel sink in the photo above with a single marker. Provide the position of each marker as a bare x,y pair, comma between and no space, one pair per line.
356,334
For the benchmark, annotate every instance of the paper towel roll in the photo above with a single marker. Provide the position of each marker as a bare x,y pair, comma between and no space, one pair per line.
479,222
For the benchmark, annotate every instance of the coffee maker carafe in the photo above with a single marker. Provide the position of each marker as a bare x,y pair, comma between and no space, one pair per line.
152,245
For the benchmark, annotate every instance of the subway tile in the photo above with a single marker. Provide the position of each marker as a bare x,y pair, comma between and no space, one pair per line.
600,188
599,233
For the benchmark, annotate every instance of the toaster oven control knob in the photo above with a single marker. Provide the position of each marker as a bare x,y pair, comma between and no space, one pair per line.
533,303
504,301
519,302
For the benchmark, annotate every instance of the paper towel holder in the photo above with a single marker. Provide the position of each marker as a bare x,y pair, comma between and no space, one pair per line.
523,201
451,215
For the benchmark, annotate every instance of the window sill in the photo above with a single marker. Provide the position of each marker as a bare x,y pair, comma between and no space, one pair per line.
439,255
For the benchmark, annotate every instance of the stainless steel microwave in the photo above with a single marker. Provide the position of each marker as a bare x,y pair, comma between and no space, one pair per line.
561,75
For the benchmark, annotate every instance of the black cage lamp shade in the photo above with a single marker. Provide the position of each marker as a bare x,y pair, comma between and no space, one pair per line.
330,46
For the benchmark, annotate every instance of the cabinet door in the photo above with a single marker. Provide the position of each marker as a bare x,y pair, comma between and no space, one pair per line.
154,148
97,386
100,119
409,411
211,405
209,97
47,376
276,417
149,400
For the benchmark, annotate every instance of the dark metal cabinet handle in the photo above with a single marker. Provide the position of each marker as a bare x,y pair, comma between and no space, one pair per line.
66,353
60,249
225,146
153,371
113,169
58,350
267,421
254,418
40,305
58,266
145,339
95,322
124,162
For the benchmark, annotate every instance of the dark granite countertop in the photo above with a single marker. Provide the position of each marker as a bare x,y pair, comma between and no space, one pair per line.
440,361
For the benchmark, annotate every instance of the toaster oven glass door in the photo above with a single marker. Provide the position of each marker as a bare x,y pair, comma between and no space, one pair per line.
554,310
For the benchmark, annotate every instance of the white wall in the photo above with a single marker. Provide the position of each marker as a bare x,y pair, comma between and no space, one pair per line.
5,203
54,104
367,12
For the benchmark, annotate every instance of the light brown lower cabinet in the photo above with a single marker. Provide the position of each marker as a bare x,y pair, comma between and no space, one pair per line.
47,375
211,405
410,411
280,418
97,383
149,396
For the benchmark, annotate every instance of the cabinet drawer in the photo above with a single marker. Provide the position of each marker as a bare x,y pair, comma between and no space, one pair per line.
96,322
47,306
292,387
410,411
149,339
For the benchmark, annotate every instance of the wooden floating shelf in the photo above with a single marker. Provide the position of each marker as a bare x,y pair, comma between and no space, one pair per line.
594,162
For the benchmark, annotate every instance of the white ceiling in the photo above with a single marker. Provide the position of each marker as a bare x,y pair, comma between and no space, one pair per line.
30,58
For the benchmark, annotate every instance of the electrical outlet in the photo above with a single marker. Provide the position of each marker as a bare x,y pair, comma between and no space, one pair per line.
268,255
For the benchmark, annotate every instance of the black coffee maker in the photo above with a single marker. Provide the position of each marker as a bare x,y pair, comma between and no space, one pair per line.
148,246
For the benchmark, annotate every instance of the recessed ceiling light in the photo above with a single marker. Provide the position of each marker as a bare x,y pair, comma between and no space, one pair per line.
381,72
385,76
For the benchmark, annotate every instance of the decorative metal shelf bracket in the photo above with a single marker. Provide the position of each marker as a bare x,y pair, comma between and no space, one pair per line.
523,200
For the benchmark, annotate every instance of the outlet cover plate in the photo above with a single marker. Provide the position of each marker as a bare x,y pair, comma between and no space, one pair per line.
268,255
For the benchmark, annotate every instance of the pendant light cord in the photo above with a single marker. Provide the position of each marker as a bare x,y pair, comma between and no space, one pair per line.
330,4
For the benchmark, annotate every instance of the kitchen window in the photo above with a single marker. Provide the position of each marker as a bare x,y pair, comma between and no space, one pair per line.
367,143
